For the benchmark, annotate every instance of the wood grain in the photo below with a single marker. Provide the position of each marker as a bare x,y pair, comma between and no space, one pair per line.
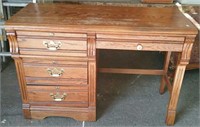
112,19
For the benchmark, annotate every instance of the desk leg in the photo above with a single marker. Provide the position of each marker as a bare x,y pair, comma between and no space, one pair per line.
165,68
171,113
178,79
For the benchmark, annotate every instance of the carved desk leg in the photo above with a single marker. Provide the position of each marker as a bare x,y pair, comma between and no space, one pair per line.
179,74
20,71
22,85
92,75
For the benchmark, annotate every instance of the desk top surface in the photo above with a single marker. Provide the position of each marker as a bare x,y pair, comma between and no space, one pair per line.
102,18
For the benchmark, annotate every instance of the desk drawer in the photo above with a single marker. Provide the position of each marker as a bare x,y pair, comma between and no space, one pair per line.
52,44
140,45
58,96
140,42
52,47
49,72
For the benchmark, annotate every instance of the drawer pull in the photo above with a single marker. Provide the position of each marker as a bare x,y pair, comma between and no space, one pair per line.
55,72
52,45
58,97
139,47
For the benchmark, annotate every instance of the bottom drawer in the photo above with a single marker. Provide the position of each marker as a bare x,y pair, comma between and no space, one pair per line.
58,96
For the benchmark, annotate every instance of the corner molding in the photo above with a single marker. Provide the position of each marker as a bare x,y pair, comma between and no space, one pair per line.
91,40
12,38
187,49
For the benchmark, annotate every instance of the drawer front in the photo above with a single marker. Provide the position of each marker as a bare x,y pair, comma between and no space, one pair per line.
52,47
140,42
51,72
141,45
52,44
58,96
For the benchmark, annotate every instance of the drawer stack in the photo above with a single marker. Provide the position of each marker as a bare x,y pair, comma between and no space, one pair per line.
55,67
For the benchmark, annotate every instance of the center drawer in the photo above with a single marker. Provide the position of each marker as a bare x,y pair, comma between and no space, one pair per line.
53,72
139,42
58,96
139,45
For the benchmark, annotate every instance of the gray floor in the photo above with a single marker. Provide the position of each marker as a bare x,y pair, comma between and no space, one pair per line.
122,100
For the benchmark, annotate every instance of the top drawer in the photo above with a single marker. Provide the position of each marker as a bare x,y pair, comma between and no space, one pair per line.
57,44
51,34
52,44
56,47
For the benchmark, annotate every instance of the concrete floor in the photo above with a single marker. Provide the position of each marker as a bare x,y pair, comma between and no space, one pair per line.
122,100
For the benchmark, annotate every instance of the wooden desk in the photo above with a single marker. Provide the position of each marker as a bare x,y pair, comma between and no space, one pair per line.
54,48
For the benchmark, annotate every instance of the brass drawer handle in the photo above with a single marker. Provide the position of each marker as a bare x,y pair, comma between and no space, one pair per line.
52,45
54,72
58,97
139,47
